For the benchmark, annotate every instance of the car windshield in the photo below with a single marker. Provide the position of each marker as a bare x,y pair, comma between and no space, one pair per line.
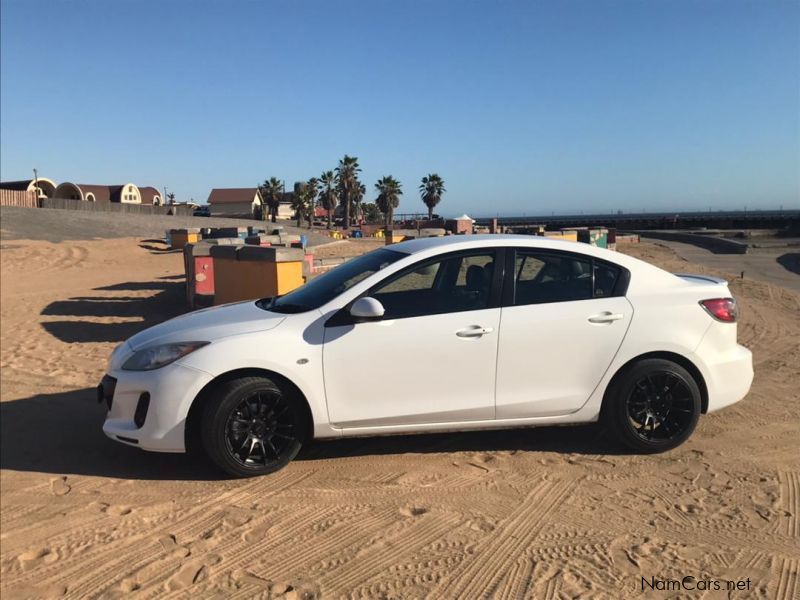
325,288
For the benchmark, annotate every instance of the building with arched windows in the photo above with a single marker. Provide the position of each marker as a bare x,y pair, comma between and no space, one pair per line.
44,188
151,195
128,193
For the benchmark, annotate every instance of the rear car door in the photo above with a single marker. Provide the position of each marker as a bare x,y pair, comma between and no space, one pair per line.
564,318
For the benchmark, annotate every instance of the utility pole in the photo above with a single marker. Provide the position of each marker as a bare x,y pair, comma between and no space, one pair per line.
36,184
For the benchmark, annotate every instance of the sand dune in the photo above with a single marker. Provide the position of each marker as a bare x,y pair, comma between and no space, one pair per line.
544,513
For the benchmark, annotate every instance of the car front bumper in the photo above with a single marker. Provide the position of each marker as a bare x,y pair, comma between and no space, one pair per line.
162,397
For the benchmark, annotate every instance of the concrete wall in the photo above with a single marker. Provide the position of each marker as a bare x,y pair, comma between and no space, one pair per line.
243,210
146,209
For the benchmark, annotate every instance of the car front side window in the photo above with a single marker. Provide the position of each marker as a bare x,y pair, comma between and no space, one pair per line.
454,283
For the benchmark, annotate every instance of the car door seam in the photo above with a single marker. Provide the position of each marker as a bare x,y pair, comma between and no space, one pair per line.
497,362
613,358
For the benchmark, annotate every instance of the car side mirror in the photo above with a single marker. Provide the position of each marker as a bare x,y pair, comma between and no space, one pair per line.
367,309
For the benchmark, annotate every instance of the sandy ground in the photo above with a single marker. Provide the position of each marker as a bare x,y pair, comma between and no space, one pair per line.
780,266
545,513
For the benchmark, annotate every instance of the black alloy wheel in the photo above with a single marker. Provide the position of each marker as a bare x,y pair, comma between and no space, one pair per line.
660,406
652,406
252,426
261,429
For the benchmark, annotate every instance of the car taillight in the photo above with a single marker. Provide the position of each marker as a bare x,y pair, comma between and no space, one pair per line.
722,309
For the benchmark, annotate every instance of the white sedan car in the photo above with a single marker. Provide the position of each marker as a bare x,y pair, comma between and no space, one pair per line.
454,333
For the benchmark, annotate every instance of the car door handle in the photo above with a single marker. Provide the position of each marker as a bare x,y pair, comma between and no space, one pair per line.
474,331
606,317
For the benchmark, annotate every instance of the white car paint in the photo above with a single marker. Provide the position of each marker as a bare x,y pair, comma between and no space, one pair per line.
532,365
567,354
437,363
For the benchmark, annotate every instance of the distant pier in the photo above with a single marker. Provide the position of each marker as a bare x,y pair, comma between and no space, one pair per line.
741,219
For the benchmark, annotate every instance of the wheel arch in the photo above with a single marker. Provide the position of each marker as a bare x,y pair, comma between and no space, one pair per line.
192,429
673,357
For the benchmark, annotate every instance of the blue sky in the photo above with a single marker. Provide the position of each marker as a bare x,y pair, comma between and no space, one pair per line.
522,107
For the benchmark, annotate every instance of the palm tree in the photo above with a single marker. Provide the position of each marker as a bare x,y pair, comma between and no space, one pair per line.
328,195
312,190
431,190
372,214
272,193
389,192
358,196
348,184
299,203
171,198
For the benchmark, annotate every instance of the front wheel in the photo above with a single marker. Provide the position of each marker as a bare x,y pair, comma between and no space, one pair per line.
250,426
653,406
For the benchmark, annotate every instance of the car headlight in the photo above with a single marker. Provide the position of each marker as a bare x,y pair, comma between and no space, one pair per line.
156,357
111,358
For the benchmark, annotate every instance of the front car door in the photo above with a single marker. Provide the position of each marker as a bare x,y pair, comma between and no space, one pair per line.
432,358
564,318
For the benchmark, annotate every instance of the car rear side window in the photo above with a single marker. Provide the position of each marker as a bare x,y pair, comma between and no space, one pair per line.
542,277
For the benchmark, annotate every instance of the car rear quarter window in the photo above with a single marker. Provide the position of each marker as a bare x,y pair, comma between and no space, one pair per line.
605,279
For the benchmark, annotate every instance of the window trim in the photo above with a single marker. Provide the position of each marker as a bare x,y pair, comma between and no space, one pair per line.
510,282
343,316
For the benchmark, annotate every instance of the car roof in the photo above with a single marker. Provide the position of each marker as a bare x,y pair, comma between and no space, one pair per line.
463,242
648,275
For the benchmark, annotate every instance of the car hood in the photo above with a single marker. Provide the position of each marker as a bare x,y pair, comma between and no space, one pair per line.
208,325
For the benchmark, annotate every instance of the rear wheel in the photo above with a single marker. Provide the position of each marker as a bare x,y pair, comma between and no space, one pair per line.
653,406
250,426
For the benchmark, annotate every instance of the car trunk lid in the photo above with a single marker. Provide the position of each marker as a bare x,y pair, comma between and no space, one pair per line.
701,279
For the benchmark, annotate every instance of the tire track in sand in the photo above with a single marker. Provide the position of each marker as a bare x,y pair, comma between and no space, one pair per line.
306,548
131,553
260,489
518,580
482,571
787,588
426,529
790,495
152,576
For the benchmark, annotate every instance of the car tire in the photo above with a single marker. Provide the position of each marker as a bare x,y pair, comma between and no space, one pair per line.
252,426
652,406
